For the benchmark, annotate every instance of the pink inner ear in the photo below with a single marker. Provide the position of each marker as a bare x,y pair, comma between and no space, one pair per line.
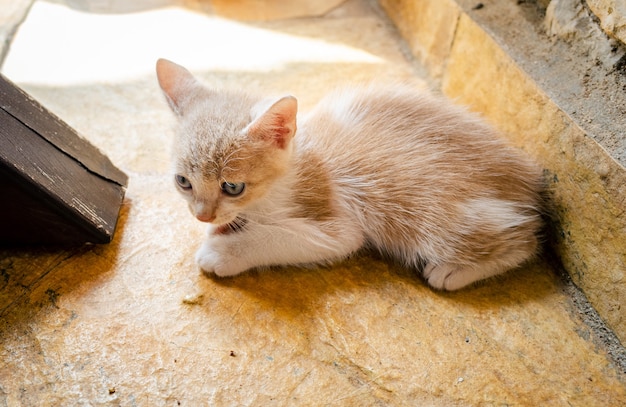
280,131
174,80
278,124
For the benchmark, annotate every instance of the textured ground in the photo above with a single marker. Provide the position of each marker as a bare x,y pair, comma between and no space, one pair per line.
135,323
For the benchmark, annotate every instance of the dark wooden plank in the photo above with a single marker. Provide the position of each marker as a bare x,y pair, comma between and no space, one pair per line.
31,217
47,195
33,115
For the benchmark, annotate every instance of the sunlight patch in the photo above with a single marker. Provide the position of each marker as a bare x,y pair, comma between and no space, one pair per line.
63,46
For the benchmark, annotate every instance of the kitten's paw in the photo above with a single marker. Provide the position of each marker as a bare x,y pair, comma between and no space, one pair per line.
214,262
448,276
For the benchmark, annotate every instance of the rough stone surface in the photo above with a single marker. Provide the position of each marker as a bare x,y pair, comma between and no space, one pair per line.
612,15
436,20
570,20
563,109
139,325
135,323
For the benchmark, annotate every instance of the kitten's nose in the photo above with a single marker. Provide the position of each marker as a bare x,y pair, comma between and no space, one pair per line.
205,218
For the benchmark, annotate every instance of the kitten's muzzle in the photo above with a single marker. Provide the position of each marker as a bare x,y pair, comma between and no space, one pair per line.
205,218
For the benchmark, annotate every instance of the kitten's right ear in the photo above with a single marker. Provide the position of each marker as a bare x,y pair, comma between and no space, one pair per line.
277,124
176,83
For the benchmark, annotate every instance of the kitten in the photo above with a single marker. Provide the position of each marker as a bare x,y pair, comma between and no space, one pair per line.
385,167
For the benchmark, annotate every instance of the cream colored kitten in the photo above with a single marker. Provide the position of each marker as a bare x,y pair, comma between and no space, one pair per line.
386,167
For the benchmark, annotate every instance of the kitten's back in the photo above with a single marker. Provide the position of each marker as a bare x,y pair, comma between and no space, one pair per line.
426,179
408,141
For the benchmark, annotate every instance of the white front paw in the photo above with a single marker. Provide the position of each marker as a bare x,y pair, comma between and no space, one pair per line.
211,260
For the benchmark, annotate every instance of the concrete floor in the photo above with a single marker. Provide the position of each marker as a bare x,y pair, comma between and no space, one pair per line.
135,323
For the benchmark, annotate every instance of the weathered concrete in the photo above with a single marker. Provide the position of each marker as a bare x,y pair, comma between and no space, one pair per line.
568,112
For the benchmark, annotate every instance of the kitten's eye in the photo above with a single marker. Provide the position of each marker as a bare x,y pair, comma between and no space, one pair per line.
183,182
233,189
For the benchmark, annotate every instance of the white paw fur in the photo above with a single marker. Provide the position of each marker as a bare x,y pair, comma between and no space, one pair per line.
448,276
217,262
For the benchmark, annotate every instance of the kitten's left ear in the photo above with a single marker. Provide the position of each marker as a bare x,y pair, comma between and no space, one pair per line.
176,82
277,124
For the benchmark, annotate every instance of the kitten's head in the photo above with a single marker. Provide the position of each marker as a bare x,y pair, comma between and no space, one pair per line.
230,147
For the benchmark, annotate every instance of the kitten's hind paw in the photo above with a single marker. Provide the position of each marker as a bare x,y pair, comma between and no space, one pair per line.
448,276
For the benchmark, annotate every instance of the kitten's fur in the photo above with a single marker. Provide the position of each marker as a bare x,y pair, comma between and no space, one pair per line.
388,167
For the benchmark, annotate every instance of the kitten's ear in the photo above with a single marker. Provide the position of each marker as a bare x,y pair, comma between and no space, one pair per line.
277,124
176,83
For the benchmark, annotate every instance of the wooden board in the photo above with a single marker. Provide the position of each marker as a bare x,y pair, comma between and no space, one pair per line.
55,187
